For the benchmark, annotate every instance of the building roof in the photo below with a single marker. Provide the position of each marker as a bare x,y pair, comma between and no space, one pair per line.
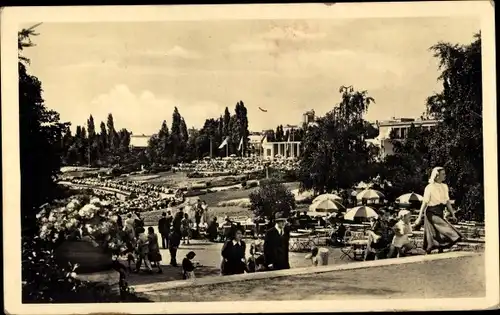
139,141
255,138
407,123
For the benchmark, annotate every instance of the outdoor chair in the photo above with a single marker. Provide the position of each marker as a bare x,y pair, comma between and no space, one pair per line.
354,246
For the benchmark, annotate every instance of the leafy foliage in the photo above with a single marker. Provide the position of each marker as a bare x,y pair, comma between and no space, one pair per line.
456,143
40,135
272,197
335,154
43,141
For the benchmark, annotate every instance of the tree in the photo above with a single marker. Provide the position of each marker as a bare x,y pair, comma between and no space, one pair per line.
103,141
270,198
457,143
40,136
176,137
408,169
93,141
335,155
113,141
226,122
68,157
164,145
152,149
124,143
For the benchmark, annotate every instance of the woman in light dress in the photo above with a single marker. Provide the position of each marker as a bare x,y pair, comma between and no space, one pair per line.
438,232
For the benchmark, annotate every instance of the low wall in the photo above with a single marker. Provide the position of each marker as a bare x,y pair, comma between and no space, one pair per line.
155,287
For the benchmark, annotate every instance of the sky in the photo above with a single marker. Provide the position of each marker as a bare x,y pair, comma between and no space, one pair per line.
139,71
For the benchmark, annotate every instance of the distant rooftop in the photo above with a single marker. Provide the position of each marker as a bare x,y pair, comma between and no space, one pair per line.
406,121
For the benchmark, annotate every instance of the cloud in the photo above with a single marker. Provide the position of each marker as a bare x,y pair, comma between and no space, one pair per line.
143,112
180,52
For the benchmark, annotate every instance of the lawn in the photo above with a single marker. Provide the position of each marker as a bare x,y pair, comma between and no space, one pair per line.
447,278
152,217
212,199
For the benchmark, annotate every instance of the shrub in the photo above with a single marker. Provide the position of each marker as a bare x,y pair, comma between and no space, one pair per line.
199,186
194,193
270,198
252,183
47,274
243,184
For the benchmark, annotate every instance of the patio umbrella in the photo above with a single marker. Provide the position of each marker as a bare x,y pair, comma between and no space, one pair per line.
322,197
360,212
369,194
326,206
408,198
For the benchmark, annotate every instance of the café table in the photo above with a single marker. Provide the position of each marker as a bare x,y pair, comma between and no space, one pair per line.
354,249
300,242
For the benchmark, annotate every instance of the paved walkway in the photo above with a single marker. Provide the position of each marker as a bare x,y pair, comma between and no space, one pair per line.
449,275
208,254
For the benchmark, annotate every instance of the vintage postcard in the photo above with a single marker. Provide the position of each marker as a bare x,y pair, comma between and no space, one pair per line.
249,158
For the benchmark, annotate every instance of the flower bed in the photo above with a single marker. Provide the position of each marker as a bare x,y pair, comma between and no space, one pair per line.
82,219
76,235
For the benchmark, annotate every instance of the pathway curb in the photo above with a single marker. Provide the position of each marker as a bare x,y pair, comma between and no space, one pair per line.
152,288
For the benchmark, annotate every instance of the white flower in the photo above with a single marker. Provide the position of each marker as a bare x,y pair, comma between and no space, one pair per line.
114,218
58,225
73,275
95,201
72,205
89,229
88,211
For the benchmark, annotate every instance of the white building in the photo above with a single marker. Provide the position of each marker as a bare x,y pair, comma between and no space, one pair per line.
400,126
309,117
139,141
285,149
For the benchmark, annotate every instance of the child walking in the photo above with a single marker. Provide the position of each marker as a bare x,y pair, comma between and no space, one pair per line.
188,266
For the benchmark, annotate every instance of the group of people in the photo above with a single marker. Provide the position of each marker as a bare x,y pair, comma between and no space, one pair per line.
273,255
144,196
237,165
389,238
142,247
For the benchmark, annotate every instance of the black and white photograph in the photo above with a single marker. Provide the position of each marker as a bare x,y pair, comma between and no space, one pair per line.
249,158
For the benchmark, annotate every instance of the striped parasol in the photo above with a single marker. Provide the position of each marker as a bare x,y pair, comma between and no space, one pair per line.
408,198
332,197
360,212
369,194
326,205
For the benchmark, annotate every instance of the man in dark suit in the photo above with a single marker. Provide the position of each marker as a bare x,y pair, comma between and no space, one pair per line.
164,229
276,245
